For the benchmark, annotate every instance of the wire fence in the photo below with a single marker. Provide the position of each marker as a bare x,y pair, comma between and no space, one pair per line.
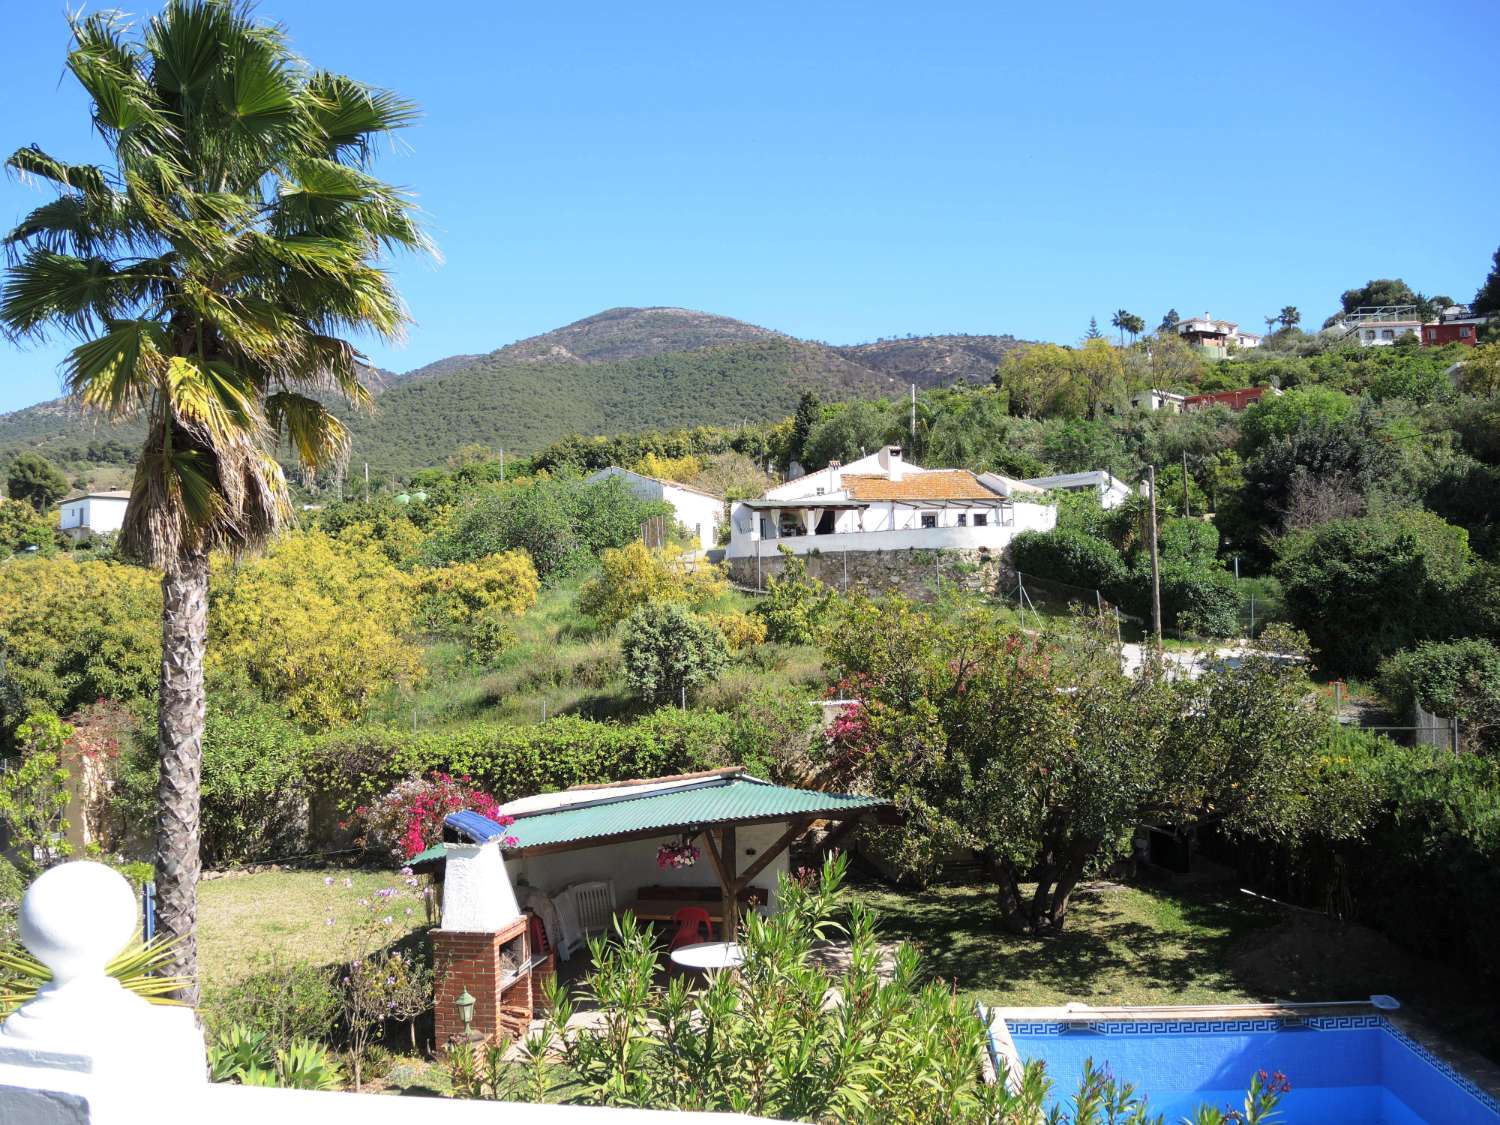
1047,601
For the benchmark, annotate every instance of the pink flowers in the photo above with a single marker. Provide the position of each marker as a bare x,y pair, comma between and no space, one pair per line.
675,856
409,819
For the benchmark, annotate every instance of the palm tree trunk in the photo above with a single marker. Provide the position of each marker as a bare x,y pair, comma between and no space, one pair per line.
179,726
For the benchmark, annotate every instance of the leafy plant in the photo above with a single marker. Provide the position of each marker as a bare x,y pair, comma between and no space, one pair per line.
793,605
138,968
409,818
670,651
247,1055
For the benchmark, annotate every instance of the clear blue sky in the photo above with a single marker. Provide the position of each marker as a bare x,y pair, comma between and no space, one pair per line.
848,171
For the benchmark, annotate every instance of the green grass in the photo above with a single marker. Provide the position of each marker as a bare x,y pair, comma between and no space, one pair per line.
560,664
244,919
1122,945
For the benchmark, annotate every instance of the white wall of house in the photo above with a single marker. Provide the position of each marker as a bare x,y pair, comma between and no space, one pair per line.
698,512
631,864
98,514
1377,334
885,526
1112,491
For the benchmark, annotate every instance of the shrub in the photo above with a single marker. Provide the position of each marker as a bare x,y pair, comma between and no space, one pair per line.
285,1000
409,819
22,528
1196,598
793,604
357,765
1454,679
254,787
633,575
1362,589
739,630
245,1054
458,594
670,651
1073,557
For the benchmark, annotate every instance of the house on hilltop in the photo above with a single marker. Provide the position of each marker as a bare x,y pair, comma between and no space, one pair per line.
699,512
1236,400
93,513
1216,336
882,503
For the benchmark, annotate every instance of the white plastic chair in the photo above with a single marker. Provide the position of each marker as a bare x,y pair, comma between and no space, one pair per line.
585,909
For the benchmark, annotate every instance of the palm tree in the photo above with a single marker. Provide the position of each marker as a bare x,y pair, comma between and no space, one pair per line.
1289,317
209,273
1120,320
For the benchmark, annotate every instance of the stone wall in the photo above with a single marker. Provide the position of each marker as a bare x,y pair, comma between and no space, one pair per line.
914,572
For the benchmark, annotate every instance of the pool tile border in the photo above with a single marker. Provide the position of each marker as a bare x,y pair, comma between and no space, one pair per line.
1179,1026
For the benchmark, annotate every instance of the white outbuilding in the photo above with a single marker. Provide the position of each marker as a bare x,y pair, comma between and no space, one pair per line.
699,512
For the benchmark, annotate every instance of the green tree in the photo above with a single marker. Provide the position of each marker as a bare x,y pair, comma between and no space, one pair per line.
1040,380
209,274
36,480
1456,679
809,412
670,651
1365,588
22,528
1487,300
1289,317
1100,371
851,431
1093,333
1375,293
1169,322
794,603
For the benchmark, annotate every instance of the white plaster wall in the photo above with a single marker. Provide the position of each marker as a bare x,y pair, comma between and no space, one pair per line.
100,516
632,864
700,514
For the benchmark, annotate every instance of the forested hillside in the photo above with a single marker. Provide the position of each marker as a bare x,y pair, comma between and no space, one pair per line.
619,370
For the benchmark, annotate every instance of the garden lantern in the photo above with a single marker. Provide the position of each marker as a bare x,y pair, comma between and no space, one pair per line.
465,1005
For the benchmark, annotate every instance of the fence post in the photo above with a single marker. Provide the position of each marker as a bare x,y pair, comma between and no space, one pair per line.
1021,598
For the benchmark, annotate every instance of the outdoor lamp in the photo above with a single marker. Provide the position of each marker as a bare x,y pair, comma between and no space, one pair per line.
465,1004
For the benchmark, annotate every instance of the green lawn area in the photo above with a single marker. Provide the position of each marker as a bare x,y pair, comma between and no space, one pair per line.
1121,945
244,919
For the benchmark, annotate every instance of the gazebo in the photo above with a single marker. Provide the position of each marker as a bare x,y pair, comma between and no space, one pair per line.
611,832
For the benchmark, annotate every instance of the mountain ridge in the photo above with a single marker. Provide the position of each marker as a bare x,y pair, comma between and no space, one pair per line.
622,368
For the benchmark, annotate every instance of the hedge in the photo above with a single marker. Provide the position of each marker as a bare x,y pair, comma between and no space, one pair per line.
355,766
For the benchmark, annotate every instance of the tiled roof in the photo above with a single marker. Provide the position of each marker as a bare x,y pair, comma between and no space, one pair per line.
935,484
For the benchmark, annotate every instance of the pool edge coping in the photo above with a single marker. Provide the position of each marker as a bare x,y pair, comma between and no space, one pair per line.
1470,1070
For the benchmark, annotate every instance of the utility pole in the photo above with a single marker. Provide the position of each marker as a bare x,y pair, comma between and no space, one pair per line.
1155,563
1187,504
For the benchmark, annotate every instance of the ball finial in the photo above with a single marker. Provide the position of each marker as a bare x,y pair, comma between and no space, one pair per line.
76,917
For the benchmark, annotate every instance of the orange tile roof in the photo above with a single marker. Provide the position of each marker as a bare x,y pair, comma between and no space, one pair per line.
935,484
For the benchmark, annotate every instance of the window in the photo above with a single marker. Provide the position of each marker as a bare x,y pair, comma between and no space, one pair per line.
929,519
1387,334
1463,333
963,519
981,519
1367,334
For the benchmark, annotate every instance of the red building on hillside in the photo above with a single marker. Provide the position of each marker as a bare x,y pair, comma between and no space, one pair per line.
1235,400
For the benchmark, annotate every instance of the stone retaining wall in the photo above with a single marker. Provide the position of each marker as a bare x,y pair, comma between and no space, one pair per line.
914,572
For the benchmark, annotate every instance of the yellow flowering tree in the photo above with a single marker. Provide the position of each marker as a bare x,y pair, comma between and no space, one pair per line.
635,575
495,585
316,626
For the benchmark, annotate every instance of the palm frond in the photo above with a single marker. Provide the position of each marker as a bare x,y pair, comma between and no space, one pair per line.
138,968
316,436
112,373
214,396
32,161
76,293
351,114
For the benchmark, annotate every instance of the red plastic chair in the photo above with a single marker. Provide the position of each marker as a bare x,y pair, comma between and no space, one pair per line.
693,925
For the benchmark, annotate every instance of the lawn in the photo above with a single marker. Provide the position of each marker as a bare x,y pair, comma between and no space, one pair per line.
1122,945
244,920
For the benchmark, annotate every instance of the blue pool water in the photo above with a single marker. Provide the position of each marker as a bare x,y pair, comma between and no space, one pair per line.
1354,1070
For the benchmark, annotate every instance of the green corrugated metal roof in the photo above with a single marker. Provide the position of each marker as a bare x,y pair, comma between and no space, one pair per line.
734,801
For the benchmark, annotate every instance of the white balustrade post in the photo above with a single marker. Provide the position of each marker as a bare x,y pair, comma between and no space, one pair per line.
84,1049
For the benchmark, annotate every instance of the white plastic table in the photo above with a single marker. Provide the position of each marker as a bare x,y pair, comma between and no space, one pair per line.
707,955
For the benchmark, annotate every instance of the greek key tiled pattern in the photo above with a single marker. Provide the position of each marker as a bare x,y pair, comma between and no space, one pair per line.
1488,1100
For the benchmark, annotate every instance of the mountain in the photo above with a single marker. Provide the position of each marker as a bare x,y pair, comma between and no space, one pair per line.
621,369
522,406
934,361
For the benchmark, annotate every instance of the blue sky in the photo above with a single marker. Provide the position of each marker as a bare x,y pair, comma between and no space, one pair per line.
848,171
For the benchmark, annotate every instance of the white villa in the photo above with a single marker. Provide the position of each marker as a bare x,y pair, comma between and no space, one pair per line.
1112,491
94,513
883,502
700,512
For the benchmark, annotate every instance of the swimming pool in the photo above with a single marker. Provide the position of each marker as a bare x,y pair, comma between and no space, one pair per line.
1354,1070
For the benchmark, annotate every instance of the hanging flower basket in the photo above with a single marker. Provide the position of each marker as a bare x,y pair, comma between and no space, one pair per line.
676,855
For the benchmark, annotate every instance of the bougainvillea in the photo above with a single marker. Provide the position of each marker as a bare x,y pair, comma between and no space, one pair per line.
409,819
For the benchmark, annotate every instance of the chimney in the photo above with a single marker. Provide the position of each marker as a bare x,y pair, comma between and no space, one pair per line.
891,462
